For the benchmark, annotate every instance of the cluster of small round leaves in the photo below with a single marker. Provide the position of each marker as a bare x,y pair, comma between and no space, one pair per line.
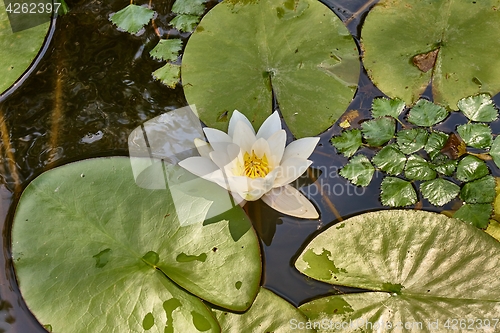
439,162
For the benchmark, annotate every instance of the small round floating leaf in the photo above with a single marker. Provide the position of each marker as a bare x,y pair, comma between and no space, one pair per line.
479,191
359,170
390,160
132,18
269,313
476,135
378,131
426,114
124,274
387,107
495,151
435,143
399,36
478,108
439,191
443,164
246,50
412,140
417,168
414,263
348,142
396,192
167,49
17,49
471,168
476,214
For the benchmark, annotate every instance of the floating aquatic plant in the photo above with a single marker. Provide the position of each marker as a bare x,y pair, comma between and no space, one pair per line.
418,154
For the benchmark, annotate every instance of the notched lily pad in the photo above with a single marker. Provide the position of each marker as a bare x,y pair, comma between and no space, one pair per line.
297,49
409,44
413,264
133,267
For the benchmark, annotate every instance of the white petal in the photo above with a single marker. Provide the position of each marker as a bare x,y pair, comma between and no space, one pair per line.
270,126
261,148
300,148
277,143
220,158
217,139
290,201
235,118
203,147
244,137
204,168
290,170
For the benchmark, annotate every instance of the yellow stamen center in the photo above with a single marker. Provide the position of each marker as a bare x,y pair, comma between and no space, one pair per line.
254,166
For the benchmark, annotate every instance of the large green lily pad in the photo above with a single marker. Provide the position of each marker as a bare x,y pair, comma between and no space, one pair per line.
401,40
268,313
94,252
17,50
420,266
242,51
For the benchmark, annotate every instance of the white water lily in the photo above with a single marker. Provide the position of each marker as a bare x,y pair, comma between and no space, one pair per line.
253,166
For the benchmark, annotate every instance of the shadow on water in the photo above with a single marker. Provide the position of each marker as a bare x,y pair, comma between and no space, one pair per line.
94,86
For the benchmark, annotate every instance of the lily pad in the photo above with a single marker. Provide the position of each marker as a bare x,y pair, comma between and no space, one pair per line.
397,192
439,191
359,170
408,43
378,131
413,261
478,108
269,313
390,160
243,51
476,135
17,50
348,142
132,18
426,114
135,262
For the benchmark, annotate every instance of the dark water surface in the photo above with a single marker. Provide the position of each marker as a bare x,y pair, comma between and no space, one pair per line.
94,86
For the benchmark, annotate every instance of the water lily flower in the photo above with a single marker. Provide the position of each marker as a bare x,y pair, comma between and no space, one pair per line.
256,165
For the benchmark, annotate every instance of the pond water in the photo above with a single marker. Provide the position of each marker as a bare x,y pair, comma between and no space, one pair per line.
93,86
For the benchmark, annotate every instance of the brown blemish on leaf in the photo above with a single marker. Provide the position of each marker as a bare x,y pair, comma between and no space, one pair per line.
454,147
426,61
